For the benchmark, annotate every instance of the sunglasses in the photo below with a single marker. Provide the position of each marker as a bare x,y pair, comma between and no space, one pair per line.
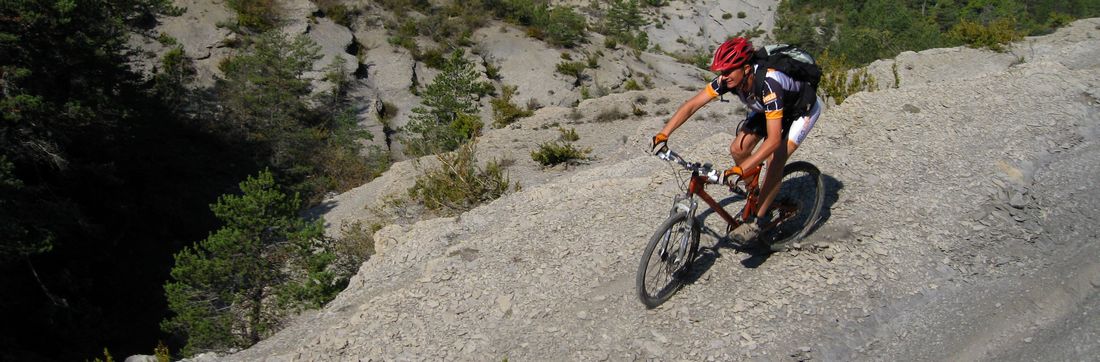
726,73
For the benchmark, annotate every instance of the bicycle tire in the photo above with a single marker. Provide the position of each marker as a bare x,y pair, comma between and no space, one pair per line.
671,269
802,185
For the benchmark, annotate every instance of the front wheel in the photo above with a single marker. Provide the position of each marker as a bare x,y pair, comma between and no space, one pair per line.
667,258
797,206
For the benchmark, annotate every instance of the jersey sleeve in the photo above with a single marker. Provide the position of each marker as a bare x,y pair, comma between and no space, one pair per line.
772,99
717,87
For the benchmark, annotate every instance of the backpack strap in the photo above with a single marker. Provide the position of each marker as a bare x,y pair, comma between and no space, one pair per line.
793,103
759,77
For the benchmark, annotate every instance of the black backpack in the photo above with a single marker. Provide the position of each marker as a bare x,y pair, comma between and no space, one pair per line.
796,63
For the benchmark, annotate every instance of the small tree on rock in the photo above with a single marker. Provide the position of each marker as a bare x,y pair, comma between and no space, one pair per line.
233,289
447,116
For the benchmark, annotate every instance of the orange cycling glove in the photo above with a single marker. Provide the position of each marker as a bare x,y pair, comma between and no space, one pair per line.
728,176
660,143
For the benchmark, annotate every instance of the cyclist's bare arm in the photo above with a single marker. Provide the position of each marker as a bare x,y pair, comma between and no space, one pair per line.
687,109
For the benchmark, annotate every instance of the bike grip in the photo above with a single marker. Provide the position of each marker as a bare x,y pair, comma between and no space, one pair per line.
713,177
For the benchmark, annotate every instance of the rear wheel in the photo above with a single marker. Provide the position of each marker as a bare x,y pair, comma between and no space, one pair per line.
667,258
797,206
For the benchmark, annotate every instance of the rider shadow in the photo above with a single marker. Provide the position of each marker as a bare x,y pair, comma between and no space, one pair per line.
757,253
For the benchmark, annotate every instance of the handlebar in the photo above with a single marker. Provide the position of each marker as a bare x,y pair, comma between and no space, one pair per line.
696,168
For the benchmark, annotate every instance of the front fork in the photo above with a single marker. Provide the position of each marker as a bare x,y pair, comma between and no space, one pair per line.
685,203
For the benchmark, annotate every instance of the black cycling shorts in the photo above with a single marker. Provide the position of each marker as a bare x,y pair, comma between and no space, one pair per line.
756,124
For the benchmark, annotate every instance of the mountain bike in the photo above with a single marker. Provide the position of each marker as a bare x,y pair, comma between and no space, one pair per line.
668,257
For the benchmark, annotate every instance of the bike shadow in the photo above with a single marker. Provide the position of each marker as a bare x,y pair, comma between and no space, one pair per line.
832,195
757,253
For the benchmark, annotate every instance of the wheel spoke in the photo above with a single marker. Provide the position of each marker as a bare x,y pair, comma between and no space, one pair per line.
665,257
797,205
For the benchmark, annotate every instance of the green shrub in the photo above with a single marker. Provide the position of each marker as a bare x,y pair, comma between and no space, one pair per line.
568,135
399,7
406,42
726,16
533,104
258,15
553,153
1058,20
504,111
741,15
864,31
354,246
387,112
106,356
459,184
700,58
162,353
897,77
564,27
631,84
337,12
613,114
572,69
593,59
993,35
166,40
836,81
559,25
433,58
575,114
175,72
492,71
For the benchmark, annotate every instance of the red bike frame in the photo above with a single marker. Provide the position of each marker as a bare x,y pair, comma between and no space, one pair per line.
698,183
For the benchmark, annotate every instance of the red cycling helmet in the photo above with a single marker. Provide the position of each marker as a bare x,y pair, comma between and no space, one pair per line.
731,54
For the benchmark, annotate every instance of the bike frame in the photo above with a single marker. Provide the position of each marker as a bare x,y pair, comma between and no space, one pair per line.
701,176
697,185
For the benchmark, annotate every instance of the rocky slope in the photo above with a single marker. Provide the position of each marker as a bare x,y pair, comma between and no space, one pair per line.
961,225
385,73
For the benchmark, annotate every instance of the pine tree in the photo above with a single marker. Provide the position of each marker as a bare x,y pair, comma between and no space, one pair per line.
232,289
623,21
447,116
264,94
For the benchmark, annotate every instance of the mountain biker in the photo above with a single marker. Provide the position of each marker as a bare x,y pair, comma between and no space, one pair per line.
734,63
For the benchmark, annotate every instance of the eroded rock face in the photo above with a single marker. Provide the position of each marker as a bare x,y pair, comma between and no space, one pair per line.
336,42
945,199
528,65
690,26
200,33
296,15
